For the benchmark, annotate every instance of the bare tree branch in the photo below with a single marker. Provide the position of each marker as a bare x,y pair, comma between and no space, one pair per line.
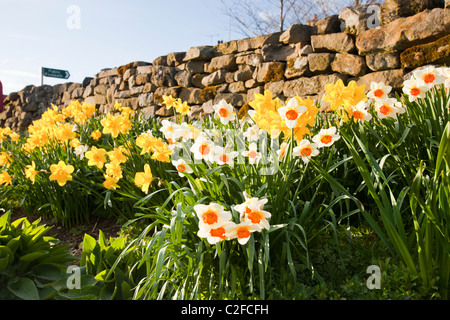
252,18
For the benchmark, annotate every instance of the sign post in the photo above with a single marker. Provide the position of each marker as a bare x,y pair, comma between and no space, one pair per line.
53,73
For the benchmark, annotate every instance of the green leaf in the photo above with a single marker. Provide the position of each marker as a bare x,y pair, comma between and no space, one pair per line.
47,272
101,276
33,256
4,220
89,244
24,288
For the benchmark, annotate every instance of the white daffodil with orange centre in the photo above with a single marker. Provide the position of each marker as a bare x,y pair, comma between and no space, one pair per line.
183,132
222,156
252,154
243,231
326,137
415,89
203,148
283,148
379,91
430,76
216,232
360,112
182,167
172,140
389,108
224,112
292,112
306,150
211,214
256,215
243,208
253,133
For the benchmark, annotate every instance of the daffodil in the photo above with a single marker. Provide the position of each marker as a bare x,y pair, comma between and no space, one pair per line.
202,148
81,150
388,108
113,169
115,124
256,215
430,76
379,91
224,157
306,150
292,112
5,178
144,179
147,142
243,231
326,137
31,172
243,208
96,157
5,159
96,134
335,94
169,101
252,153
162,152
182,167
111,182
360,112
216,232
415,89
212,213
446,74
61,173
118,154
14,137
224,112
253,133
182,107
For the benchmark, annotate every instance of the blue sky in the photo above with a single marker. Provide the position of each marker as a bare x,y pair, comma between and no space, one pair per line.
112,33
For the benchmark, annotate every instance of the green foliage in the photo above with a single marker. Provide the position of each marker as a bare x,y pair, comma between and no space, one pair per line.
30,262
108,270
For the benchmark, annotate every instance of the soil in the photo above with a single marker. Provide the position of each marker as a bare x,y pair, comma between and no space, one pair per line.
73,236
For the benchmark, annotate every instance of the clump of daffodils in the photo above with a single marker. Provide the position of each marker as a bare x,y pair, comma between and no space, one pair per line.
216,224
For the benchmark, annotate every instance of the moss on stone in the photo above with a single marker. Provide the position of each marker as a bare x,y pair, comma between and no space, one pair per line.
438,51
209,93
274,74
244,110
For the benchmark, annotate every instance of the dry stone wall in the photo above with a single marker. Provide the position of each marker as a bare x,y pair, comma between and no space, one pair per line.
299,61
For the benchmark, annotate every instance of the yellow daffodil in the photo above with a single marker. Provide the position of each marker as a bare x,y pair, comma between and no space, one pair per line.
31,172
111,182
61,173
162,153
96,134
5,178
115,125
5,159
113,169
147,142
144,179
168,101
96,157
118,154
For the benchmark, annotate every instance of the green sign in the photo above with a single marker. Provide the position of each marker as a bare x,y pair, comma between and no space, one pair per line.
55,73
